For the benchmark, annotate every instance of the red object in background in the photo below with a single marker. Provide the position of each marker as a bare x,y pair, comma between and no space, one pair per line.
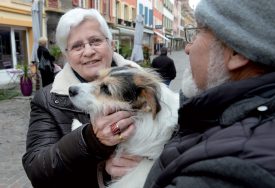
26,86
75,3
53,4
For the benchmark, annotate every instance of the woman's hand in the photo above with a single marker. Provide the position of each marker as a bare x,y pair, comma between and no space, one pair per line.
122,120
119,166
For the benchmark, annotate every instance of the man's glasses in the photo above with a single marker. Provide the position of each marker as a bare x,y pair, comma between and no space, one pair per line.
191,33
95,42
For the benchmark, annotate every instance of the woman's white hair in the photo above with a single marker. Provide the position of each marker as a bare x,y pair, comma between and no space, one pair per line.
73,18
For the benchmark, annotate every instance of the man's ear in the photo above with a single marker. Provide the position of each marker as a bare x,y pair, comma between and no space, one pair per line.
236,61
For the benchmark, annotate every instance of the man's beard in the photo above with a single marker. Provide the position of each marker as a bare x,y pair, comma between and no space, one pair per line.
188,85
217,72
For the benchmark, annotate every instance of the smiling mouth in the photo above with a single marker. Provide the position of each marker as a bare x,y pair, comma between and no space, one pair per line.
91,62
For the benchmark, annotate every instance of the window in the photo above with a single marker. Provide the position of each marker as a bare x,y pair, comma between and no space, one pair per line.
133,13
118,8
146,16
105,8
151,17
21,46
126,13
141,9
13,47
5,48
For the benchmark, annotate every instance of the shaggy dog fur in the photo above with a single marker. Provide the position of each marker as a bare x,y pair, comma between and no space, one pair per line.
155,107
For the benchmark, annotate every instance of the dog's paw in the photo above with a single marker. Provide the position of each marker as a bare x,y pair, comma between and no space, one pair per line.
76,124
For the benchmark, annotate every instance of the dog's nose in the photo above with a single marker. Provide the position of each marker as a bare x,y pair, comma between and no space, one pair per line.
73,91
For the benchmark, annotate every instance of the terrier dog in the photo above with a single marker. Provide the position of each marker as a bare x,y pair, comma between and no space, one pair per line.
156,113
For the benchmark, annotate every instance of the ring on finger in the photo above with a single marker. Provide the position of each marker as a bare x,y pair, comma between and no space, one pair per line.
120,138
115,129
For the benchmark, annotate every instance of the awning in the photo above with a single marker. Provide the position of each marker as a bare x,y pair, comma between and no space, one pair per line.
162,36
148,31
114,31
125,31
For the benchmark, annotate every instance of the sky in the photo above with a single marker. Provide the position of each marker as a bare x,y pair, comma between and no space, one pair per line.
193,3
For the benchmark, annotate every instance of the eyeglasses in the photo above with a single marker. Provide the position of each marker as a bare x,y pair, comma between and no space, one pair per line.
191,33
95,42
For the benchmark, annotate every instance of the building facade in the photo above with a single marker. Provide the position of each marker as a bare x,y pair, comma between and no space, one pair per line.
15,35
164,22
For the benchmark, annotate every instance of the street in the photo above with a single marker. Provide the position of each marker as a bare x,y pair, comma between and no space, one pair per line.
14,116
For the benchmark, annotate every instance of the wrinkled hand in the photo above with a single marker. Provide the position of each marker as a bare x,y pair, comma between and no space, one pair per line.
102,127
119,166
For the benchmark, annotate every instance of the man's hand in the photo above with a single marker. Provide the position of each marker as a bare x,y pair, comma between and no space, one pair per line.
119,166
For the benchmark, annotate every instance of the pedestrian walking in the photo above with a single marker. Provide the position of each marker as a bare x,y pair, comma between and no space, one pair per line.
46,62
164,66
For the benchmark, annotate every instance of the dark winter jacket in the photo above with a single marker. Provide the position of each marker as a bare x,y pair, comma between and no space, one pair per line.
226,139
46,54
165,67
57,156
46,68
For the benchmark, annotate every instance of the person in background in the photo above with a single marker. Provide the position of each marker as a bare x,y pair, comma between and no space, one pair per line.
46,71
55,155
164,66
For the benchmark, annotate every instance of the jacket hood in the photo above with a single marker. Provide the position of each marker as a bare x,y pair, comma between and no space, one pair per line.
66,77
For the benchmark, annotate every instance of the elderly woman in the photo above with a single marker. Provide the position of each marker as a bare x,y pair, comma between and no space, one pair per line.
57,156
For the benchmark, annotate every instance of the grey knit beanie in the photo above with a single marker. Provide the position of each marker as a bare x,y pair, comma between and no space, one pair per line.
247,26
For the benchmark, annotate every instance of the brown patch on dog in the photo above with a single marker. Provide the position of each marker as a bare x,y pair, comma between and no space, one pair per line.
147,101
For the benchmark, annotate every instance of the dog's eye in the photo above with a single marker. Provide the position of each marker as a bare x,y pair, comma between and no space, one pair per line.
104,89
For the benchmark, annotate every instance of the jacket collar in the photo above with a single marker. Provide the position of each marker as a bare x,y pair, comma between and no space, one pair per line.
66,77
227,103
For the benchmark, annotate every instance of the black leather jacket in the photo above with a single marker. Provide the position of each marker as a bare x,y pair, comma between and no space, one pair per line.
57,156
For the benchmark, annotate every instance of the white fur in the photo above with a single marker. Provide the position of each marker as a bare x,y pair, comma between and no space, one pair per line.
76,124
150,136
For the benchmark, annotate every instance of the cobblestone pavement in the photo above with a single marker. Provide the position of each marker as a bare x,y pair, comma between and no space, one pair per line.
14,117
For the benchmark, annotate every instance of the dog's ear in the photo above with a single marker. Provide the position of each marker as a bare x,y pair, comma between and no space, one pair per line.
147,101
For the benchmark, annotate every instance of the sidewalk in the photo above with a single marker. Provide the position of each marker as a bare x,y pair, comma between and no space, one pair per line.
14,117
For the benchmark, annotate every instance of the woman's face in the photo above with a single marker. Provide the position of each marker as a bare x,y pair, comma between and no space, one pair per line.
88,50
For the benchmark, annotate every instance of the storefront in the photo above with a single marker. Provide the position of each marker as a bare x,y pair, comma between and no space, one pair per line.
15,37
